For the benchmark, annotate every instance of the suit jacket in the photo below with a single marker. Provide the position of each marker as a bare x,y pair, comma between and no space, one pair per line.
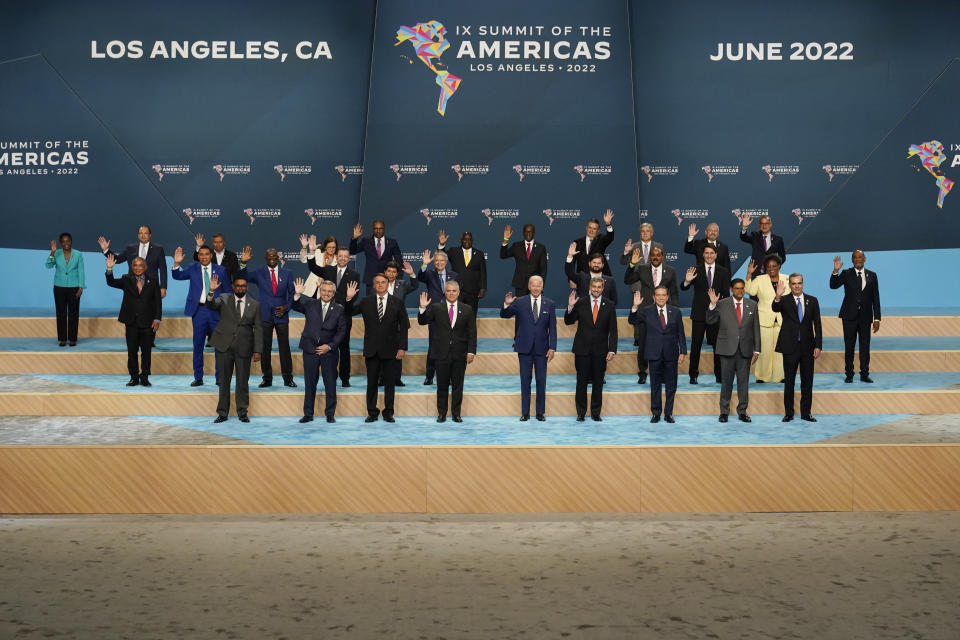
755,240
156,260
701,299
138,308
194,273
472,277
859,305
593,339
330,273
640,278
599,245
533,335
431,277
242,334
695,248
625,258
582,279
230,263
403,285
808,330
316,329
383,338
736,336
269,301
667,343
374,265
535,266
450,343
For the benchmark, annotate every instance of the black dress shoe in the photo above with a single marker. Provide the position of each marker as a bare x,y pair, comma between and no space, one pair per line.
642,378
441,418
581,418
388,419
865,377
848,379
399,383
63,344
719,381
370,419
345,384
289,383
693,379
265,383
655,418
220,419
145,381
723,417
787,418
331,419
457,419
133,382
744,418
306,419
760,381
596,418
524,417
244,418
73,344
541,417
427,381
669,418
196,383
808,418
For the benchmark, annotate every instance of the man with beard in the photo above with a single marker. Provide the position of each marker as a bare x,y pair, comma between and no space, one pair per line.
643,278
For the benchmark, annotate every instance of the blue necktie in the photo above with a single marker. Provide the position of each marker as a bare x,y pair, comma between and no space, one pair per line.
799,317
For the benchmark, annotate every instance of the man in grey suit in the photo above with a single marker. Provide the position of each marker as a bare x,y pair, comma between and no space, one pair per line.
238,338
738,344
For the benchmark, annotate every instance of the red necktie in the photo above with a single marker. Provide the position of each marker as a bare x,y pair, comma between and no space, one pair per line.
656,277
596,309
663,321
379,250
739,314
528,251
273,279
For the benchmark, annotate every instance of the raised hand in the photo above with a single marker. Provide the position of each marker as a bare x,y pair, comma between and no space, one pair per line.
507,232
509,298
637,256
53,247
628,245
691,274
751,267
246,254
837,263
407,268
312,244
692,229
198,239
714,298
177,256
424,299
214,282
442,237
745,220
608,217
303,241
637,298
781,288
111,261
572,300
299,285
104,244
357,231
352,288
426,256
572,250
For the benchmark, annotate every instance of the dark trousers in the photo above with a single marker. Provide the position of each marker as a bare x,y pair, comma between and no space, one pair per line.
450,373
590,369
790,363
315,366
640,338
283,343
377,368
852,331
530,364
227,361
663,373
740,365
698,329
68,313
138,338
470,298
204,322
344,357
431,363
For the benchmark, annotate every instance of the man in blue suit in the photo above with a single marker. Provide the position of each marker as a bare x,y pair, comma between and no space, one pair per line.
535,341
435,276
204,318
377,249
324,330
275,286
665,347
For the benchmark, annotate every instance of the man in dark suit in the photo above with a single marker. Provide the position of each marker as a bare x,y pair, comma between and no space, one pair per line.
859,311
204,319
800,341
140,312
377,249
399,285
152,255
342,276
592,242
275,287
535,341
695,247
594,344
453,347
738,343
530,257
435,277
595,269
643,278
704,277
238,340
646,246
323,331
763,242
221,255
665,348
385,327
471,267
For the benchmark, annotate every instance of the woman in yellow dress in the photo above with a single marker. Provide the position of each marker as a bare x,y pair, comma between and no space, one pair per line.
769,367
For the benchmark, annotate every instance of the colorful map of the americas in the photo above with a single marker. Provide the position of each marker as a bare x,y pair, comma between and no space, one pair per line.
429,42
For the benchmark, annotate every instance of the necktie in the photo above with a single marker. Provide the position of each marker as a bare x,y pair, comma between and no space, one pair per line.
799,316
862,283
739,314
646,252
206,281
709,277
379,250
528,251
451,315
656,276
339,275
323,312
596,309
766,243
586,246
139,284
663,321
536,309
380,307
443,279
273,280
143,251
240,307
466,257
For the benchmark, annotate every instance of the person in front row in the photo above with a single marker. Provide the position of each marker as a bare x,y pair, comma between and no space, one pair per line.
737,344
68,285
594,344
665,348
800,341
204,319
385,329
859,311
238,340
323,332
141,312
535,341
453,347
